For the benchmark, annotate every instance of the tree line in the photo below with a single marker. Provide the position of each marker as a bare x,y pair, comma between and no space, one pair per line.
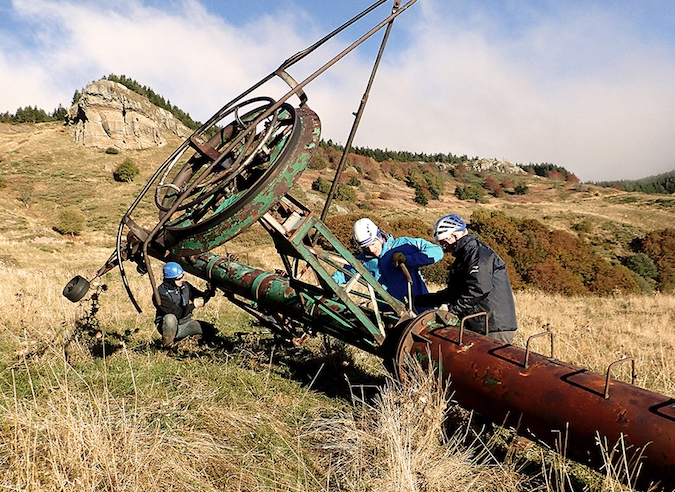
660,184
33,114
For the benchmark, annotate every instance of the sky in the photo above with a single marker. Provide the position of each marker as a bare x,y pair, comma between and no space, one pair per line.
586,85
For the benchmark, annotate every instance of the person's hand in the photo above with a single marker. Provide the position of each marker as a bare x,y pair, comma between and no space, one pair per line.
198,302
210,291
399,258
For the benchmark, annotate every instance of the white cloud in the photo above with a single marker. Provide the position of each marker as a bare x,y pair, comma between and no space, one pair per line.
583,88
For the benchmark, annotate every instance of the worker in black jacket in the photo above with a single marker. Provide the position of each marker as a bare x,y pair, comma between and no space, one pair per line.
478,282
178,298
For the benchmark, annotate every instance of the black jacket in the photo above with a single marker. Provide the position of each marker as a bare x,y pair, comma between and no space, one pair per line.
478,281
175,300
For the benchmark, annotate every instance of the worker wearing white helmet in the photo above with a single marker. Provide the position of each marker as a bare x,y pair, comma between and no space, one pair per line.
382,254
478,281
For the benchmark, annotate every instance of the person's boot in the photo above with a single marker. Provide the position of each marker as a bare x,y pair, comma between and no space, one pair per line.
168,335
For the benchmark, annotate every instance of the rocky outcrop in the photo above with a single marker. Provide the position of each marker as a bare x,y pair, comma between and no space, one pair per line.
495,165
110,115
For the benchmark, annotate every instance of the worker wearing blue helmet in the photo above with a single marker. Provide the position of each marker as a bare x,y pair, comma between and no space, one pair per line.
178,298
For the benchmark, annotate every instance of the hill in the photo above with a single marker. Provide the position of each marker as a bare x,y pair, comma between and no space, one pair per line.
45,172
661,184
88,401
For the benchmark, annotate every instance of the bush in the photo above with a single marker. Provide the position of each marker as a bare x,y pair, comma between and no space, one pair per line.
345,193
112,150
469,193
126,171
521,189
3,183
321,185
354,181
641,264
70,222
660,247
584,226
421,197
317,163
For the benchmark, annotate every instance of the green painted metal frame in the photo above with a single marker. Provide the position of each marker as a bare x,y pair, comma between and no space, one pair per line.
295,231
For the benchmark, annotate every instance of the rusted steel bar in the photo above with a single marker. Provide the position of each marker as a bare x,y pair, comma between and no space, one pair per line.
358,115
548,400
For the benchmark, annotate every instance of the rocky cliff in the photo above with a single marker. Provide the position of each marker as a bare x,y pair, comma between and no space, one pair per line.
110,115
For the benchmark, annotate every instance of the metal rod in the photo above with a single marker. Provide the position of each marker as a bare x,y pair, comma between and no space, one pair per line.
357,116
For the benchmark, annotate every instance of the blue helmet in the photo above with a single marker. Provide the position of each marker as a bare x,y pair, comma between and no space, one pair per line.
447,225
173,270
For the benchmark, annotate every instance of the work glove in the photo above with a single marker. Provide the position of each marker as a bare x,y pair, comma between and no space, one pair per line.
398,258
423,300
210,291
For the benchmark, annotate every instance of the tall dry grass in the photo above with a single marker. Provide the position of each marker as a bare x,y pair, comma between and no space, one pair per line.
140,419
593,332
399,444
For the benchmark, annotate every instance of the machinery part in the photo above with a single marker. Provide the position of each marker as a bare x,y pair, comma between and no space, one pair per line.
545,399
240,184
76,288
279,297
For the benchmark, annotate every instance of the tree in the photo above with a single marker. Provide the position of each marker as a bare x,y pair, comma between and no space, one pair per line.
420,197
70,222
126,171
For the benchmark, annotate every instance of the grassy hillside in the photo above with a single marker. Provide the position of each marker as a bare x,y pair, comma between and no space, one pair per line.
89,402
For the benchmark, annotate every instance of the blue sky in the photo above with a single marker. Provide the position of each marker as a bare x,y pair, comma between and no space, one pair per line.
588,85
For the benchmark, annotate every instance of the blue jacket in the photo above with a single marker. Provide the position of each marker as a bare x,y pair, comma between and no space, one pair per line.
418,253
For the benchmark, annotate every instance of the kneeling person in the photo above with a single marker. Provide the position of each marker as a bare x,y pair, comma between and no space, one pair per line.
178,298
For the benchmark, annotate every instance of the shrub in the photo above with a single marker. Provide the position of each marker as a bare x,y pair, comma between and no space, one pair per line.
583,226
321,185
521,189
421,197
126,171
641,264
385,195
345,193
469,193
70,222
317,163
112,150
3,183
554,261
354,181
660,247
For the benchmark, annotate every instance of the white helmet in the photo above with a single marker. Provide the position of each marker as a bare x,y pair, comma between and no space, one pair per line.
447,225
365,232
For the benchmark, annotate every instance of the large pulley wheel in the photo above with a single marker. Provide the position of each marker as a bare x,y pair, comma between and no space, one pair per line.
236,175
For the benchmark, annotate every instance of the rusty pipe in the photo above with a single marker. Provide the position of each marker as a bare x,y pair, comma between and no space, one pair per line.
563,406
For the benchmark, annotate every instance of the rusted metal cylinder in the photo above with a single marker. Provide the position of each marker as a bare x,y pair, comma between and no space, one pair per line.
547,400
273,293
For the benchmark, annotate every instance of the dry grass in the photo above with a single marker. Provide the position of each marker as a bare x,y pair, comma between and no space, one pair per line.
133,418
399,445
99,407
593,332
